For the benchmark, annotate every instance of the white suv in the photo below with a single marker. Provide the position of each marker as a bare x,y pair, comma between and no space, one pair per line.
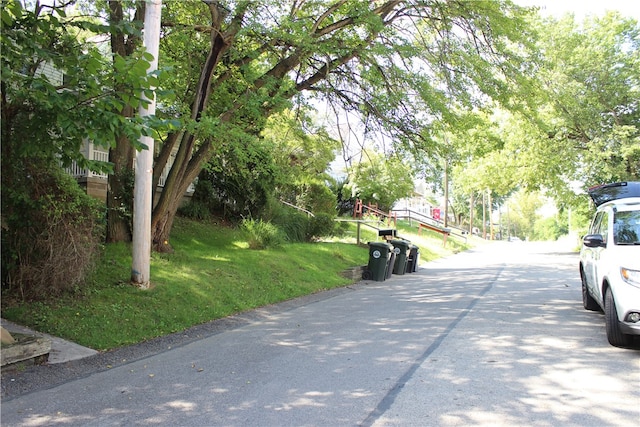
610,260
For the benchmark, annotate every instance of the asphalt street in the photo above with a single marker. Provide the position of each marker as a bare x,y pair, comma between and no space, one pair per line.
496,336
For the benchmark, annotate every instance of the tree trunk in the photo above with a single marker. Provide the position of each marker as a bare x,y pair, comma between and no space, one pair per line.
471,203
119,192
120,183
160,162
484,215
166,209
161,227
183,172
490,216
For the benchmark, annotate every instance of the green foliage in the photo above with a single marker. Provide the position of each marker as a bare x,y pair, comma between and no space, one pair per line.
522,214
262,234
549,229
49,72
51,231
582,122
195,209
321,225
302,152
315,197
382,181
589,115
298,226
237,181
293,223
58,91
592,83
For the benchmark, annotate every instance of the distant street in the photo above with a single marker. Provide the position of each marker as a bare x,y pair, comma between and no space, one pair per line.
496,336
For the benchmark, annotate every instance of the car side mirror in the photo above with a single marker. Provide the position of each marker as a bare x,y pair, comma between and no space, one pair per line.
593,241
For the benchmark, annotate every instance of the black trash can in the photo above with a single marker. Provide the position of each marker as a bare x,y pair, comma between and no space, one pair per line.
401,249
414,256
379,255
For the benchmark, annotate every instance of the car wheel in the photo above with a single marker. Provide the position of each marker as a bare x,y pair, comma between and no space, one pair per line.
614,334
587,300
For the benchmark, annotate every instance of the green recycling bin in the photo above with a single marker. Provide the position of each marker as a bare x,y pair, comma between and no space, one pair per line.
379,255
401,249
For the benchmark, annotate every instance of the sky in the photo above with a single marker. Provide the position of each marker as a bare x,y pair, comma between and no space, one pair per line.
581,8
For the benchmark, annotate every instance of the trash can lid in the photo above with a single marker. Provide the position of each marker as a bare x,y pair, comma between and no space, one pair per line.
380,245
401,243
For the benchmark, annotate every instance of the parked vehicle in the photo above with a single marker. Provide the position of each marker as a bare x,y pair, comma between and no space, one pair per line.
610,260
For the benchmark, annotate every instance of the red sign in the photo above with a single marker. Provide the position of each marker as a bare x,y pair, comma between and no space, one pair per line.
435,213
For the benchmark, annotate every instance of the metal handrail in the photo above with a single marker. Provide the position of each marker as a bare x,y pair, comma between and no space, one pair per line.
298,208
359,223
456,231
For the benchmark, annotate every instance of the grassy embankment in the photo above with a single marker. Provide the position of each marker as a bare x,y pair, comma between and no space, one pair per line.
212,274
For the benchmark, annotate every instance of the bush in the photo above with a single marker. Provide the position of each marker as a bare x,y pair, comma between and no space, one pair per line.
291,222
320,225
52,231
297,226
237,180
294,224
261,234
195,209
316,197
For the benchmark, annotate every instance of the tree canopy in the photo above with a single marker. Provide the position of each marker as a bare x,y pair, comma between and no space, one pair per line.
382,181
592,85
508,99
581,126
399,66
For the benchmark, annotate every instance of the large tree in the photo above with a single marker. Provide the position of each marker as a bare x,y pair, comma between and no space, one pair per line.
400,65
382,181
592,81
585,124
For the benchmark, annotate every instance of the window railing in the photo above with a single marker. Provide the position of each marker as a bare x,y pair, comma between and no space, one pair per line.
96,154
92,154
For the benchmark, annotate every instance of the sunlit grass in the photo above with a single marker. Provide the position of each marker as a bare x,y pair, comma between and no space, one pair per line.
212,274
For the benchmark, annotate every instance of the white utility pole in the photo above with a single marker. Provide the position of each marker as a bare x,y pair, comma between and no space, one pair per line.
142,203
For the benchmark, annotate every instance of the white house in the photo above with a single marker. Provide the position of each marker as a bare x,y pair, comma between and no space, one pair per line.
95,184
418,201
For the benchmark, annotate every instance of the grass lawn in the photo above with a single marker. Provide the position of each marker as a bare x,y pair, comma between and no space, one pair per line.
212,274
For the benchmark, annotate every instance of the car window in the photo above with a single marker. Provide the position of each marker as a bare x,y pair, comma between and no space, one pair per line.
603,227
626,228
595,225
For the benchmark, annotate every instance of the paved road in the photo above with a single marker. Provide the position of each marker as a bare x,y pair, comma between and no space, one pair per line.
496,336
